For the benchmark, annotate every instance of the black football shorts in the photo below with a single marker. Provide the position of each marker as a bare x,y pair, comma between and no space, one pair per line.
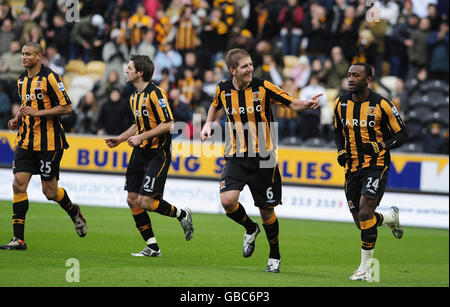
43,163
147,171
368,181
264,183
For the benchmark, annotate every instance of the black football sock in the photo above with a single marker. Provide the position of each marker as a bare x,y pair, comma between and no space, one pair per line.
20,208
64,201
271,227
239,215
164,208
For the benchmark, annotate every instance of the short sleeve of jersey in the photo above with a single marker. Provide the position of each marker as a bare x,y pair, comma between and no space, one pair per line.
276,94
56,85
395,120
161,104
216,102
336,113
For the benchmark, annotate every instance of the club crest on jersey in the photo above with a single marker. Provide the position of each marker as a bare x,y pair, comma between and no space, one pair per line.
38,85
256,96
222,184
372,111
162,103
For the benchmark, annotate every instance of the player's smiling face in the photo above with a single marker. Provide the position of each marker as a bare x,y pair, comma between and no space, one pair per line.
244,71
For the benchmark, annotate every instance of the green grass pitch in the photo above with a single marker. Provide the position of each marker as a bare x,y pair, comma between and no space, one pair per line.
313,253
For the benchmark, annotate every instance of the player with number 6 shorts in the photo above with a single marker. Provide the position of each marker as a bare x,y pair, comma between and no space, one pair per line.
250,149
367,127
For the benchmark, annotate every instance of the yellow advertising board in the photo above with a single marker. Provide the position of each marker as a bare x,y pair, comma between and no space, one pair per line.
200,160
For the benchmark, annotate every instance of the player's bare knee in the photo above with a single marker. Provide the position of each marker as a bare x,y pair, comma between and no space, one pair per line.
228,203
19,188
132,202
148,203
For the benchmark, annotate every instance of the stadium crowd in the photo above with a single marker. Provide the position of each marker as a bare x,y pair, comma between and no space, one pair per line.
303,46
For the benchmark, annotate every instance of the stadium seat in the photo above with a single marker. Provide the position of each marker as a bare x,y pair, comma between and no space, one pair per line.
79,86
411,147
415,128
95,67
434,86
315,142
76,66
95,70
291,141
421,111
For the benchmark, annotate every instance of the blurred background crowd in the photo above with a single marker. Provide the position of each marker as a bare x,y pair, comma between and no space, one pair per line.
303,46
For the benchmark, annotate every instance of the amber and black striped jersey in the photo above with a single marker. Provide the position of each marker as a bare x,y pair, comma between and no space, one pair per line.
186,35
373,120
150,108
249,115
42,92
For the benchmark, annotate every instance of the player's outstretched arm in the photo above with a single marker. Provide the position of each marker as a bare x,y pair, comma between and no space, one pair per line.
300,105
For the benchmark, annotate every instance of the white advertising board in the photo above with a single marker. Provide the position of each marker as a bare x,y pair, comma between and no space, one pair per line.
420,210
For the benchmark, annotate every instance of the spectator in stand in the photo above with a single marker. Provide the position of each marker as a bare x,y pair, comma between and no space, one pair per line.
435,18
115,53
378,30
438,44
208,89
434,142
165,82
54,60
5,109
11,67
185,27
398,46
189,86
310,118
269,70
335,69
59,35
287,118
135,24
215,34
301,72
366,48
163,27
420,7
244,40
87,114
104,86
347,35
85,36
290,19
146,46
114,116
418,48
23,24
5,11
166,57
6,35
317,31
